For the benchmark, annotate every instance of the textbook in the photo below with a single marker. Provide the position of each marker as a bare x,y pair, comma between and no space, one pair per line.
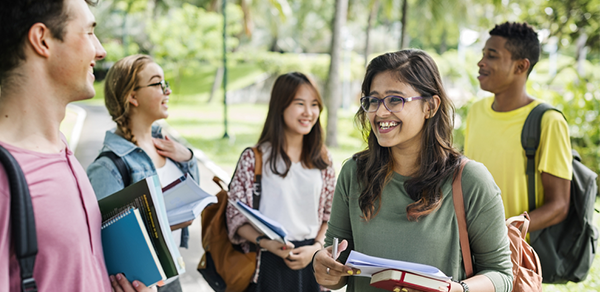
185,200
370,265
268,227
146,196
128,248
391,279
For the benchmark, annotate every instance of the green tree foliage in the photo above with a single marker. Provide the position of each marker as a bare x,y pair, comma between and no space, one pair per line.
188,36
566,19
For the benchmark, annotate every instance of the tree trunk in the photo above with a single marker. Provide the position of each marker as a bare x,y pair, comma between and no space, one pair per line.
403,28
216,83
372,16
333,86
444,42
248,23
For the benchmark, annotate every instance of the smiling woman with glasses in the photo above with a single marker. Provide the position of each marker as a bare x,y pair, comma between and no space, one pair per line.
137,95
394,199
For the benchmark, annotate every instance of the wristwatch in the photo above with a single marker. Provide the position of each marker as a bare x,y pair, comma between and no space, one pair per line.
258,239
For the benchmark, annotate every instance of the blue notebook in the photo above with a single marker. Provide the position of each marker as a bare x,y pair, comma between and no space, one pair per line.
269,227
128,249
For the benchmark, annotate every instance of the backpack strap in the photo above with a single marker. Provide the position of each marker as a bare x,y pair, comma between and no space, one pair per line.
530,140
22,220
257,177
120,164
461,217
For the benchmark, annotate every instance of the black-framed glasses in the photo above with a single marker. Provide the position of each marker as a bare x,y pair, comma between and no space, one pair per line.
393,103
164,85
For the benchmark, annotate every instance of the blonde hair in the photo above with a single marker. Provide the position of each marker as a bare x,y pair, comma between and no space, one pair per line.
121,80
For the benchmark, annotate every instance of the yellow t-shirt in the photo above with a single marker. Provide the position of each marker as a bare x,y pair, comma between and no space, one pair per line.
494,139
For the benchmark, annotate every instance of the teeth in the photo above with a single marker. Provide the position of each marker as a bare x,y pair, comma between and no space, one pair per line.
387,125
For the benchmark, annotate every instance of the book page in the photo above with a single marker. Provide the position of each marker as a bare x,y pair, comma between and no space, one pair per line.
370,265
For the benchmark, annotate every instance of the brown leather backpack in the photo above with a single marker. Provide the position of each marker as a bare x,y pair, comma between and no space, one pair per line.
527,267
224,265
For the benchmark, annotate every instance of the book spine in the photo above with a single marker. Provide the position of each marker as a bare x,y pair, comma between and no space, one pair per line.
116,218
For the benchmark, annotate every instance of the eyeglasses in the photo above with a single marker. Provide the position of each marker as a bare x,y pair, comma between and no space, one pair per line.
164,85
392,103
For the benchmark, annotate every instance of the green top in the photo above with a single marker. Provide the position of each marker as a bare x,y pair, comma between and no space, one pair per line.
434,239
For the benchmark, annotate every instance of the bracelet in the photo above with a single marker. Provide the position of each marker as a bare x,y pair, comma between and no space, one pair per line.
258,239
322,245
463,284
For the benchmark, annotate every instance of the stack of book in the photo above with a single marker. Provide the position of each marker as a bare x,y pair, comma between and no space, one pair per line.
136,232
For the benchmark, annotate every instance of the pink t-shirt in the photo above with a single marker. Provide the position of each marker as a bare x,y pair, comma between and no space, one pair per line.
67,219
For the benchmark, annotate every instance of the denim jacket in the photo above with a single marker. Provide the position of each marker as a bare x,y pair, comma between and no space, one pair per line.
105,176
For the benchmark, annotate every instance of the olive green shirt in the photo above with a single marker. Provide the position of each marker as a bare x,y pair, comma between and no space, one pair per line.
433,239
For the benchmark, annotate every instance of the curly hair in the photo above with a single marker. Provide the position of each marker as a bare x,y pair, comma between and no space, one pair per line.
521,41
437,160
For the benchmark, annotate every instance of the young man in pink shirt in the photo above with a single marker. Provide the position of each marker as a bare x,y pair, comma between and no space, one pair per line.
47,53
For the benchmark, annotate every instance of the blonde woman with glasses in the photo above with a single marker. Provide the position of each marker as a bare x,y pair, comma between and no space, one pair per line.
136,96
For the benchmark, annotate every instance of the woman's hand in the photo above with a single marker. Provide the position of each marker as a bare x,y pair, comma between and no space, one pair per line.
328,271
300,257
172,149
276,247
121,284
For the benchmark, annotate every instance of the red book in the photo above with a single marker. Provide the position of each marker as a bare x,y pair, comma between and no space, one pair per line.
391,280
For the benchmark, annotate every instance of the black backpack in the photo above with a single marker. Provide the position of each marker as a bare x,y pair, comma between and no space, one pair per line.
120,164
567,249
22,220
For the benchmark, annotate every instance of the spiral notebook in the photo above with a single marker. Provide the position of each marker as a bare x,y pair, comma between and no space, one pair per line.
128,248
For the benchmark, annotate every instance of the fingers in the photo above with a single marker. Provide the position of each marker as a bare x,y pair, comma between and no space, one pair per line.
289,245
293,264
342,246
115,285
329,271
120,284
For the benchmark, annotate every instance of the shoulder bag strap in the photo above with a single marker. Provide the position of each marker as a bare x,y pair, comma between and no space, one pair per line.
22,220
530,140
257,177
459,207
120,164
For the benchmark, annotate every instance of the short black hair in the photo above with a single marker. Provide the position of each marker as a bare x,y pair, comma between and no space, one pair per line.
521,41
17,17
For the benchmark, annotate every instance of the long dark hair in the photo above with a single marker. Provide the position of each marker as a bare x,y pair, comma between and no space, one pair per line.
437,160
313,152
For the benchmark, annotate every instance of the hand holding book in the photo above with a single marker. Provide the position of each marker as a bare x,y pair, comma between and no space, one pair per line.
120,284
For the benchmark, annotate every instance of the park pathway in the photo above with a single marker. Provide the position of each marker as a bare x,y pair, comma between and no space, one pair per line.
97,122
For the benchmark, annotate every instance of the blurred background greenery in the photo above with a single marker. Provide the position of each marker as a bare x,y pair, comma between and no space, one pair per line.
268,37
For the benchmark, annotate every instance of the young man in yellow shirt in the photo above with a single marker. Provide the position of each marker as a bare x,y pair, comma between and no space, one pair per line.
494,124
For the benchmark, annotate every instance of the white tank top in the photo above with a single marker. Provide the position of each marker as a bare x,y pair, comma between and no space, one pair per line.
292,201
